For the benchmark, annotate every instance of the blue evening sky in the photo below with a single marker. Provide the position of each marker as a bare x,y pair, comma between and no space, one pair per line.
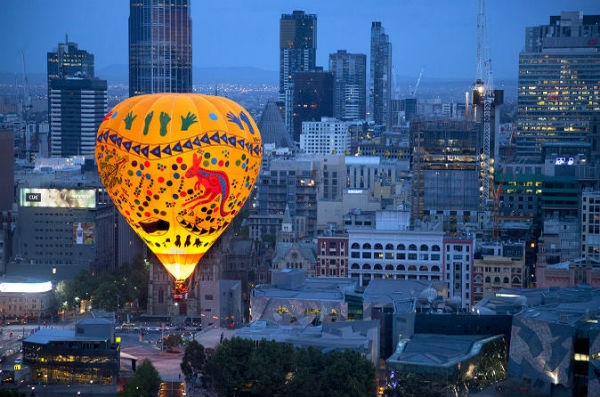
438,35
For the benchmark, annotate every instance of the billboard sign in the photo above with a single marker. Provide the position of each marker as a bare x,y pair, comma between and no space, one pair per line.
83,233
57,198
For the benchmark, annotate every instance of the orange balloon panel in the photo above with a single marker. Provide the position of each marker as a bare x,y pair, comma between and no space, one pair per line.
178,167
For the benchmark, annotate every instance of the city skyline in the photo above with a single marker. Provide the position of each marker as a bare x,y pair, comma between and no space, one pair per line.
339,28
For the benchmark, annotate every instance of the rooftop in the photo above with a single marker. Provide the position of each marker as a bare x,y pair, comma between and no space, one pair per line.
48,335
437,349
292,284
352,335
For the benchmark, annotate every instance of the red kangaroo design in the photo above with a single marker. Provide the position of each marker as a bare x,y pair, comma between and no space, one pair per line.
214,183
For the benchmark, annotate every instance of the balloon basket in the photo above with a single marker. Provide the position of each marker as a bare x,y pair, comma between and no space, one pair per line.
180,292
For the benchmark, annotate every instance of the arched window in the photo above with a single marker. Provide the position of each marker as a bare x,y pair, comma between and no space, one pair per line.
355,245
423,268
377,267
505,281
412,247
412,268
401,247
366,246
400,268
516,280
496,280
389,246
488,279
424,247
435,247
355,266
366,266
389,267
478,278
378,246
435,268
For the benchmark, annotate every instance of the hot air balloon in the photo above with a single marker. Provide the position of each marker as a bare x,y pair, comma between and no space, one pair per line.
179,167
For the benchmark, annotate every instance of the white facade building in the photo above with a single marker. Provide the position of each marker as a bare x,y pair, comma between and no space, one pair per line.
392,251
458,259
328,136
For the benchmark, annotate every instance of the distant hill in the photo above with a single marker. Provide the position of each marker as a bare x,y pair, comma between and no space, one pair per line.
243,74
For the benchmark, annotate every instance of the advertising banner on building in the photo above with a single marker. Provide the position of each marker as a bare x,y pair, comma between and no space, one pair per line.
57,198
83,233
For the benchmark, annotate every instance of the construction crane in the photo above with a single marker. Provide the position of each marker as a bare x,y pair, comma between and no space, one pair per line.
484,85
414,91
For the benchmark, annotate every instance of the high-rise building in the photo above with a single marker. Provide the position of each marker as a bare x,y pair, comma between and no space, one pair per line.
380,79
590,224
69,61
328,136
160,46
77,108
313,98
297,52
559,89
350,73
7,164
445,166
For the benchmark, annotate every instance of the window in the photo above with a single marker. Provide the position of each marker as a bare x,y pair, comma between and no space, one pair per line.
355,246
516,280
496,280
424,247
400,255
378,246
505,280
435,268
435,248
401,247
488,279
389,246
423,268
355,266
400,268
366,246
412,268
412,247
377,267
389,267
366,266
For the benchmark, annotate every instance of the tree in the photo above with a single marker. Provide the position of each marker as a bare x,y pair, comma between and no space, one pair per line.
145,381
193,360
227,369
306,380
172,340
270,364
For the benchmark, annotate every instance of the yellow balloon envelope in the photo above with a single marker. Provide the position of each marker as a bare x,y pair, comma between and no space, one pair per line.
178,167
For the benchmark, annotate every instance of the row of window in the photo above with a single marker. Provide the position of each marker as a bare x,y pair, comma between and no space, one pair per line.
399,247
410,268
399,255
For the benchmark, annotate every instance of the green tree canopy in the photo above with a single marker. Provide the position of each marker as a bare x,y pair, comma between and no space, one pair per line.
145,382
194,358
269,368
